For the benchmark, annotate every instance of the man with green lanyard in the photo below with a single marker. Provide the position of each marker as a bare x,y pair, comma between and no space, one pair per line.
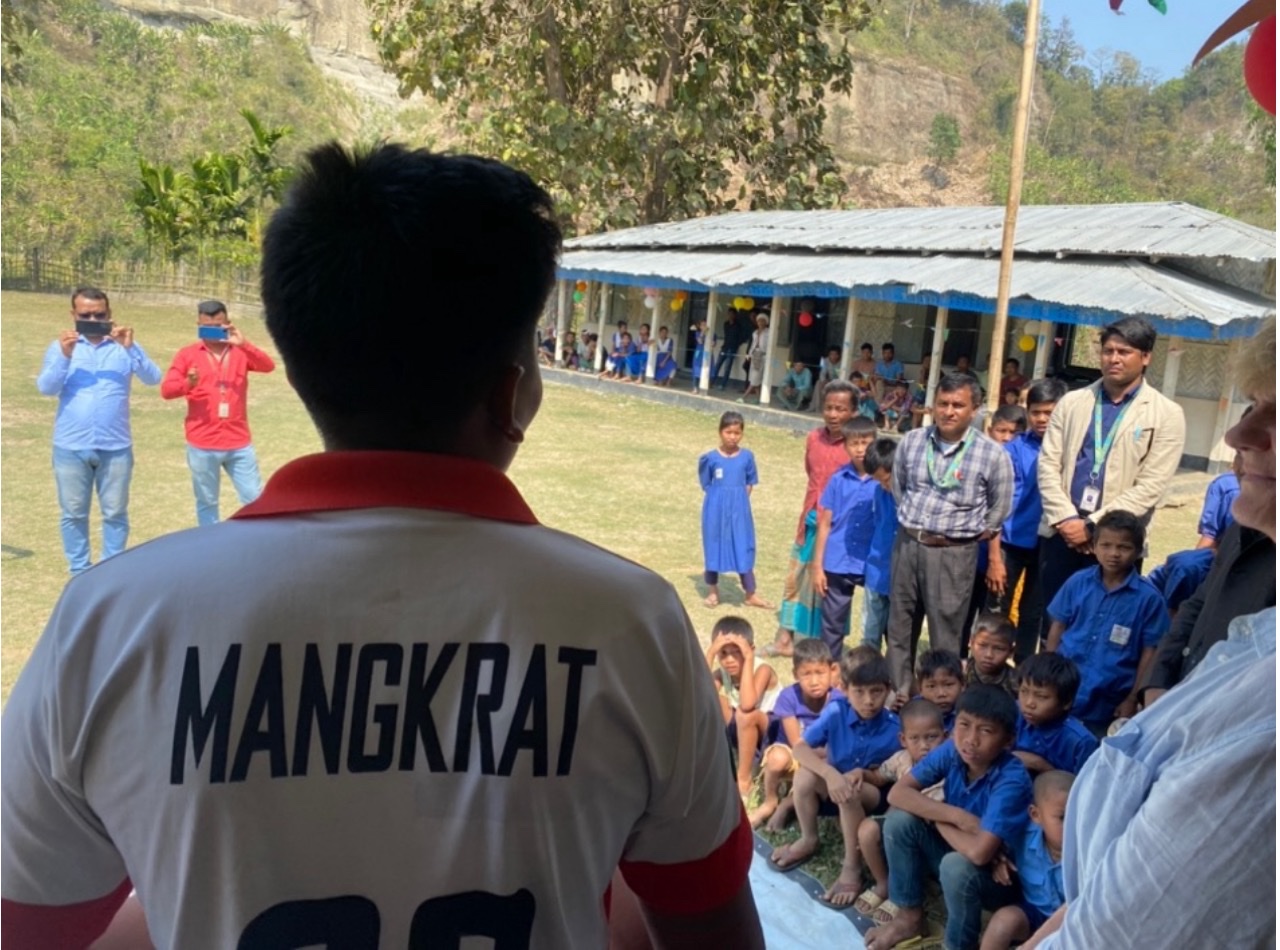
953,486
1111,446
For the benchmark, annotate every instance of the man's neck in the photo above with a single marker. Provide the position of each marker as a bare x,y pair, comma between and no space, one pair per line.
1116,394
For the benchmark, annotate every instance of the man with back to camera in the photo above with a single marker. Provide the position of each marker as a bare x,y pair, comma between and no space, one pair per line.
1113,445
90,368
395,730
213,375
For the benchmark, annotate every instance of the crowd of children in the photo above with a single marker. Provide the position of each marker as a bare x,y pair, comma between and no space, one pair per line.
937,783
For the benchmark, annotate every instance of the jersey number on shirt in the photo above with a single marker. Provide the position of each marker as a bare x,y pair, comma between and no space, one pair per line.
352,923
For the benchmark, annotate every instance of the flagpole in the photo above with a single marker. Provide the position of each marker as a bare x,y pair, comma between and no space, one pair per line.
1017,159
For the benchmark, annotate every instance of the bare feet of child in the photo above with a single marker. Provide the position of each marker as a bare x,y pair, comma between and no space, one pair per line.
755,600
782,817
845,889
761,813
792,855
907,924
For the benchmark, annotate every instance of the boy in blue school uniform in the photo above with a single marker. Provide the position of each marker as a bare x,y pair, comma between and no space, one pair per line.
941,677
1108,619
1049,737
1215,517
1038,860
987,796
845,527
859,734
884,513
1019,539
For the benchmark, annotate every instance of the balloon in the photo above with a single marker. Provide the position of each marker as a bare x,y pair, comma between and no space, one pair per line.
677,304
805,319
580,286
747,304
682,295
650,292
737,304
1032,328
1027,344
1260,64
650,302
577,296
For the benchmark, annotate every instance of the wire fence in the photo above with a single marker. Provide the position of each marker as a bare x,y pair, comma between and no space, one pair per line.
163,281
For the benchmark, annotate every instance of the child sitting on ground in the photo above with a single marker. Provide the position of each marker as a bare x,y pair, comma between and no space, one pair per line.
988,793
922,732
941,677
990,650
1109,619
865,396
859,734
895,405
1048,736
748,687
884,514
796,708
1038,865
845,526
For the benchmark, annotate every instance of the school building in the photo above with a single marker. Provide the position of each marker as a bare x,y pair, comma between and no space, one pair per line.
925,280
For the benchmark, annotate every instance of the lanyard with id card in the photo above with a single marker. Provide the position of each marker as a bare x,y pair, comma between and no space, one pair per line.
1092,494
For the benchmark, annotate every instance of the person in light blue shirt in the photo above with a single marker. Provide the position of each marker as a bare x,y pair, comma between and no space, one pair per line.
879,563
797,386
1215,517
1109,620
1171,829
889,369
90,369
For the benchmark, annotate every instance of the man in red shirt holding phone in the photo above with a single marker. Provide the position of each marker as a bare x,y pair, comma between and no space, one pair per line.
213,375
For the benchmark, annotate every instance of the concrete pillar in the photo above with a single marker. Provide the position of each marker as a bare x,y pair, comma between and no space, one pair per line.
1220,453
850,334
602,344
563,302
1172,363
660,313
766,379
1044,347
935,364
703,381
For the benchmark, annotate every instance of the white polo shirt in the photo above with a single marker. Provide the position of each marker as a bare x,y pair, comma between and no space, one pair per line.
381,702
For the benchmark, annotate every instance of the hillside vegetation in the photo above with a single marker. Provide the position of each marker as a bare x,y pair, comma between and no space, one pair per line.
90,93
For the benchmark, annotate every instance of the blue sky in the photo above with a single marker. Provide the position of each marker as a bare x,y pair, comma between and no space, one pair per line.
1163,44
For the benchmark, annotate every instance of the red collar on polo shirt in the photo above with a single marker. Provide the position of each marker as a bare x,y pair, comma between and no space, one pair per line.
342,481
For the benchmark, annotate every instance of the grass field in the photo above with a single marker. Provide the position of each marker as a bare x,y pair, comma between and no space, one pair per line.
615,469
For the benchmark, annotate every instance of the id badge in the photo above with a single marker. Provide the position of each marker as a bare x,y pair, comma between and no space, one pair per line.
1120,635
1089,499
719,472
224,410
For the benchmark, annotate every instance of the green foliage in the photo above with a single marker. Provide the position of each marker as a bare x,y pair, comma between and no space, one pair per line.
642,111
944,139
95,93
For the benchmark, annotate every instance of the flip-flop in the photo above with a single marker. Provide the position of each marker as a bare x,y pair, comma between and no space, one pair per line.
773,650
868,901
839,889
885,913
784,868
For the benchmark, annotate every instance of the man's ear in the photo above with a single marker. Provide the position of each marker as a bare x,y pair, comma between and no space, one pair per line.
501,402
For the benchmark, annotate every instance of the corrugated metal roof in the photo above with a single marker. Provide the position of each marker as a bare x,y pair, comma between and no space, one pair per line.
1161,229
1071,291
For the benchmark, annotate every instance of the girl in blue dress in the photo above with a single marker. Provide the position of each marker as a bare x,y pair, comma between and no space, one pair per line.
665,368
728,474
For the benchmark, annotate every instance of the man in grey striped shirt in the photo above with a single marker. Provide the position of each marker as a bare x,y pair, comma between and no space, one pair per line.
954,487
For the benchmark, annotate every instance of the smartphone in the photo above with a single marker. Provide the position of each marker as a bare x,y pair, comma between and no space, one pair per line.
211,332
93,327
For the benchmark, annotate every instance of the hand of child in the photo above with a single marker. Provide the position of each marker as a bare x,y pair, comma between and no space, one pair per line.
820,581
841,787
739,641
896,700
1002,870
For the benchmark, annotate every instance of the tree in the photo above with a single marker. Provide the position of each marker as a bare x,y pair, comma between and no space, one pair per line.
944,139
634,111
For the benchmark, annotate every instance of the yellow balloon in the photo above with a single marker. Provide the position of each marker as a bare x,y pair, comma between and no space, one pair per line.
1027,344
747,303
677,304
737,304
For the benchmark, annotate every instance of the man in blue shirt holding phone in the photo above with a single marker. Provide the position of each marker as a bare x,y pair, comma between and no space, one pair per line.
90,369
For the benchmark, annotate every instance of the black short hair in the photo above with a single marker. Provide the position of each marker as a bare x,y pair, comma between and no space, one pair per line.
1014,414
1052,669
992,703
211,308
888,346
939,661
840,386
731,418
88,292
1135,331
880,455
363,240
833,349
857,426
739,625
1046,390
870,672
810,650
997,625
1015,361
1124,522
921,708
867,346
954,382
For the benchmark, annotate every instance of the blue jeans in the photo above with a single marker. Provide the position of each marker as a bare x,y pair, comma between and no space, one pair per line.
913,849
723,361
77,473
206,475
875,618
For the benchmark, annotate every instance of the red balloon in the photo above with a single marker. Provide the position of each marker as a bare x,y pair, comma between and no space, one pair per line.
805,319
1260,64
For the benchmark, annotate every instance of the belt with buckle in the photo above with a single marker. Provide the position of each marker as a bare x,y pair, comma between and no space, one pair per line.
931,540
